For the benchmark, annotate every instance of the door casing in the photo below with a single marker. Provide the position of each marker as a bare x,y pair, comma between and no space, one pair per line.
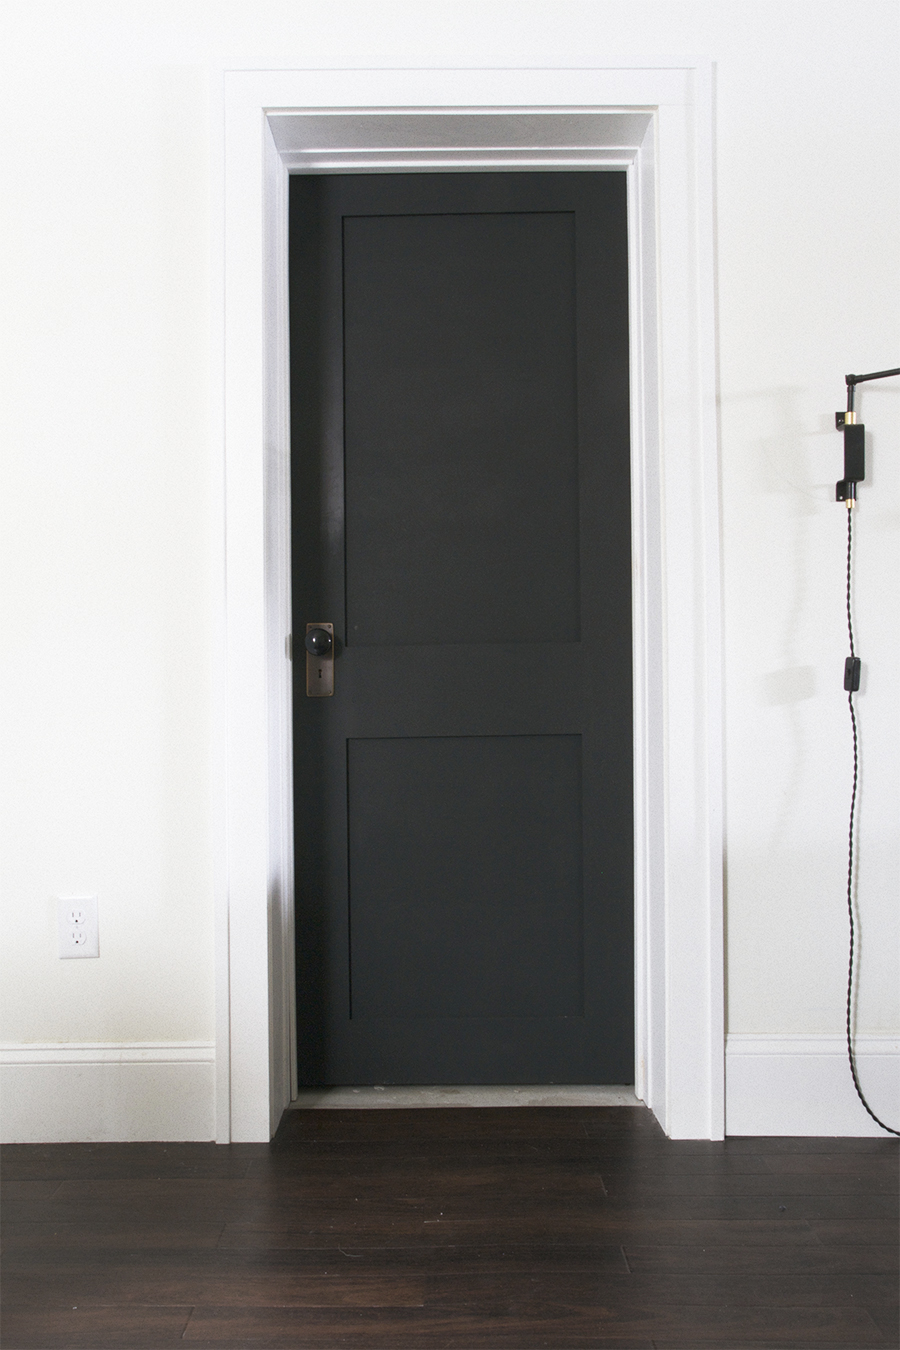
656,120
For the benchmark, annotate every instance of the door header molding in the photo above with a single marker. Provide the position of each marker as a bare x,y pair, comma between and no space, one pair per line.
654,119
348,140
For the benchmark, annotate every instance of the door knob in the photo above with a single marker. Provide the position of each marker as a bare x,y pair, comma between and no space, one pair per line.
318,642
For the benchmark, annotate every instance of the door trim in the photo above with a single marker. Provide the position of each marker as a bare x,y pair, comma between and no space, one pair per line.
654,120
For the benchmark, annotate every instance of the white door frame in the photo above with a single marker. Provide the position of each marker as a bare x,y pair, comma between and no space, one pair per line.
654,119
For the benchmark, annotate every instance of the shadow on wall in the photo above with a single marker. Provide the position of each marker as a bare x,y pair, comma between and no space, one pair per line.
788,464
793,685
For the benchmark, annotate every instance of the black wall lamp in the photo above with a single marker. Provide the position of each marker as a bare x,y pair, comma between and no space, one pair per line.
854,438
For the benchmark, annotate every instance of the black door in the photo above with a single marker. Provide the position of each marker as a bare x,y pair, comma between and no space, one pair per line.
462,517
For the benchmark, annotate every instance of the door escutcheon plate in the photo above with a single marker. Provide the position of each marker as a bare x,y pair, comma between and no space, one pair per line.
320,667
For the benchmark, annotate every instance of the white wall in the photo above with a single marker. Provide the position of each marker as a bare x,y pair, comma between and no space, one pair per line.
111,462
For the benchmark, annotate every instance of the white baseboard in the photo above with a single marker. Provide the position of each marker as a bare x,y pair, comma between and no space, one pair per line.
801,1085
775,1085
66,1093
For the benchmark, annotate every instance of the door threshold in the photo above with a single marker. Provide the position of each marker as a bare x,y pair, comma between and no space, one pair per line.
341,1098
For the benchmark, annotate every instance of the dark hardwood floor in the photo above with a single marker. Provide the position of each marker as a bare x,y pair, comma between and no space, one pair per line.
562,1227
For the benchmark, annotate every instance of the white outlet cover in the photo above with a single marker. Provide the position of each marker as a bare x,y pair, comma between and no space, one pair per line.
79,929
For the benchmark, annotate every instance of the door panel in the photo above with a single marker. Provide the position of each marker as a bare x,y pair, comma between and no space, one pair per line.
461,515
437,823
460,428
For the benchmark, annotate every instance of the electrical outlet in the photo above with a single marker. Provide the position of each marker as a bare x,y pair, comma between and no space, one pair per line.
79,932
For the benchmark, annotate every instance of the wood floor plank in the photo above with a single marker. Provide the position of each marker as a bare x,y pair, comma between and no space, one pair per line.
661,1293
29,1188
551,1122
504,1326
640,1142
80,1328
533,1198
337,1157
639,1185
797,1259
499,1229
880,1145
807,1207
860,1165
125,1216
301,1262
405,1330
598,1220
859,1338
871,1232
81,1234
860,1334
464,1184
228,1288
868,1340
646,1166
73,1161
469,1291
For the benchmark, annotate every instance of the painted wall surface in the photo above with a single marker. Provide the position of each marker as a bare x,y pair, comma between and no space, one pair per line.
111,516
